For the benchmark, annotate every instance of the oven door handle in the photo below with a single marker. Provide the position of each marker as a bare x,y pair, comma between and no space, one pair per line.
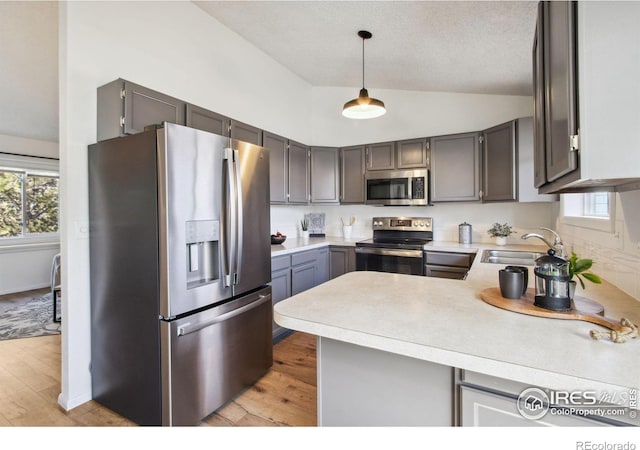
389,252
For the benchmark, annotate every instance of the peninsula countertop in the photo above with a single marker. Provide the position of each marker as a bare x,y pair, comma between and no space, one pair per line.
445,321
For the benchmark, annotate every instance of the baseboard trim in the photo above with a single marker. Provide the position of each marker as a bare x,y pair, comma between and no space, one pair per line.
25,288
69,403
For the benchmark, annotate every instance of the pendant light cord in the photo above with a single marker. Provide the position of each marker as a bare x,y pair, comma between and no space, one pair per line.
362,63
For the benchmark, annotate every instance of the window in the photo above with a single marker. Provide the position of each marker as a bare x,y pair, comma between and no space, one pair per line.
591,210
29,198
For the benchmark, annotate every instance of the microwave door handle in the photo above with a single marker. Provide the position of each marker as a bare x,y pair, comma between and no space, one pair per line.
239,213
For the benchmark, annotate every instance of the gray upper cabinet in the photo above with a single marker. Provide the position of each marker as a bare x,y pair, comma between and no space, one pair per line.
127,108
381,156
244,132
352,168
278,167
539,169
325,183
455,168
298,173
561,113
499,163
411,154
203,119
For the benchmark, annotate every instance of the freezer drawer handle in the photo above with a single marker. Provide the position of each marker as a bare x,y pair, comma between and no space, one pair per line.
193,327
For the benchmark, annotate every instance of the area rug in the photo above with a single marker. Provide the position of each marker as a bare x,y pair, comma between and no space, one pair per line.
28,317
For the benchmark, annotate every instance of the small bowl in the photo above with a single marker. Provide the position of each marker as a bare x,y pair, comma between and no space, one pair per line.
277,239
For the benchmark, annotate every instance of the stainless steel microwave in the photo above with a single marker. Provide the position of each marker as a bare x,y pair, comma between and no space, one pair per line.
397,187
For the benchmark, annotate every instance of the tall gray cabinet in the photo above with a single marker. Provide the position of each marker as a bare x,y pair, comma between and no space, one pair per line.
455,168
325,176
288,170
499,163
352,168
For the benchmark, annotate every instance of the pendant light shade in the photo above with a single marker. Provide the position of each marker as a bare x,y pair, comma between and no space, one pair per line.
363,107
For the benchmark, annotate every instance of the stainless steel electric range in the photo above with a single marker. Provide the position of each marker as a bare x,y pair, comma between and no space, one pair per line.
397,245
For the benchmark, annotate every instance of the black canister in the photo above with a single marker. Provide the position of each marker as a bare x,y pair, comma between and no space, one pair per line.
464,233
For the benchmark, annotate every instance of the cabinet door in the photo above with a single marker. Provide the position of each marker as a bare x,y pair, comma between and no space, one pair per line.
298,173
352,174
411,154
278,167
206,120
561,113
381,156
455,168
144,107
539,147
342,260
246,133
303,277
280,289
322,266
499,163
485,409
325,186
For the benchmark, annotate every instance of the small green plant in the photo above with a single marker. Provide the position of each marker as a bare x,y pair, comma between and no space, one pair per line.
578,268
498,230
304,224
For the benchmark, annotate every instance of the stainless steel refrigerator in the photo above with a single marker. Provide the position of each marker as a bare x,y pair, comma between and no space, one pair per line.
181,312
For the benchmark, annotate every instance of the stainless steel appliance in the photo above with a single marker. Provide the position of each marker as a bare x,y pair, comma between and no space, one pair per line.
181,313
397,245
397,187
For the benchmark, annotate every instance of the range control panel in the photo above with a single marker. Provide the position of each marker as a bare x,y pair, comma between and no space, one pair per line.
403,223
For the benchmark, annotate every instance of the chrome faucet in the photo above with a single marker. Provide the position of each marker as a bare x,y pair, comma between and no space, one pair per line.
557,245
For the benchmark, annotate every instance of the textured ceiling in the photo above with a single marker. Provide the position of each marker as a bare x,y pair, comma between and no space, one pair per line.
454,46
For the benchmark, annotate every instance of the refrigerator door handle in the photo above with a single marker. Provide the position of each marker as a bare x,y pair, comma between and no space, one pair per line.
238,219
189,327
229,231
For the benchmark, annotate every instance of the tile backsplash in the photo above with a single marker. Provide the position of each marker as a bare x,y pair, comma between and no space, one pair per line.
616,254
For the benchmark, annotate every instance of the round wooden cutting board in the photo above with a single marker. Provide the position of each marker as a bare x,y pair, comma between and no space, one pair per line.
582,308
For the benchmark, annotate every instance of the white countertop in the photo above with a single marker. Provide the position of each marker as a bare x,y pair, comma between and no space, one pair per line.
446,322
299,244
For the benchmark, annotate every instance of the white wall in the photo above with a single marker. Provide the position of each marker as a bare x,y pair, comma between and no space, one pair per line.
172,47
410,114
616,254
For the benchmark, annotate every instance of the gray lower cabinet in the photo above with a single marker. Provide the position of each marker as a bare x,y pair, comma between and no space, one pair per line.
455,168
325,175
295,273
480,408
245,132
341,260
280,285
499,163
203,119
127,108
352,168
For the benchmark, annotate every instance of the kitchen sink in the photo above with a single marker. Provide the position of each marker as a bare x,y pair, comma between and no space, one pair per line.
510,257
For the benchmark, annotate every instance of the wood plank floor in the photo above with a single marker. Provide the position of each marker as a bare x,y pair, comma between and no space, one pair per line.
30,384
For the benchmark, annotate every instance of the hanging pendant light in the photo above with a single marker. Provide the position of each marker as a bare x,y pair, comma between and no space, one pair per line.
363,107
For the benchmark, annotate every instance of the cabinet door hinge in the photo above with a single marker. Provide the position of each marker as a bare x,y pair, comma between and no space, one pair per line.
574,142
122,121
481,139
123,93
481,194
428,145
